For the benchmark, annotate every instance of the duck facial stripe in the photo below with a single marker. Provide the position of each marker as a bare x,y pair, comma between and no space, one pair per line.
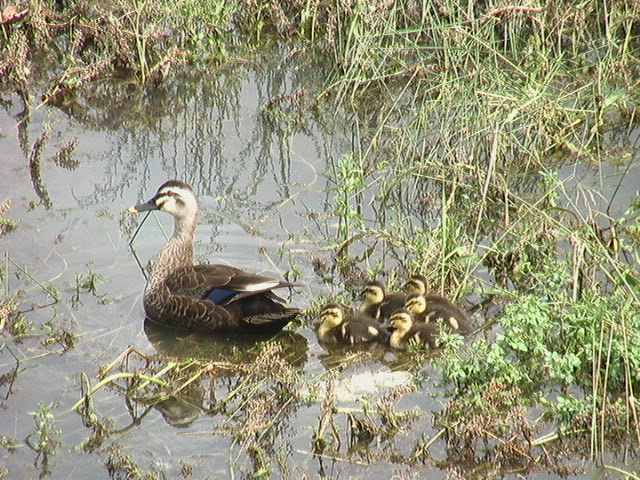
166,195
329,314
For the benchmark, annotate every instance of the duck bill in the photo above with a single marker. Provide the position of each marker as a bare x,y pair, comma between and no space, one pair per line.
144,207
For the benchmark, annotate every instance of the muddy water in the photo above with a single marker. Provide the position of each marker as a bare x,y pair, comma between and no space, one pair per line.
263,195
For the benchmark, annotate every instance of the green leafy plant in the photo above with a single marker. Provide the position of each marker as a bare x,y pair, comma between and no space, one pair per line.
44,440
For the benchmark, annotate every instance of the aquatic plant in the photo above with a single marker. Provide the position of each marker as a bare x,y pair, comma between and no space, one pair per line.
87,284
44,440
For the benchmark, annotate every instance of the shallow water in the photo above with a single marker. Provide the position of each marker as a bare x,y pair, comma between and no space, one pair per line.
263,196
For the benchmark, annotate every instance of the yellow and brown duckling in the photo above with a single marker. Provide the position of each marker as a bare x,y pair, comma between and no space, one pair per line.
378,303
338,327
431,307
404,329
417,284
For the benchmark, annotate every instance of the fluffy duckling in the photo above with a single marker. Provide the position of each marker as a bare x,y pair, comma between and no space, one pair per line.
336,327
404,329
429,308
378,303
417,284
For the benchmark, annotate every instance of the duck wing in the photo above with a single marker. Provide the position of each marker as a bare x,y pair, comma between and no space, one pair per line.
221,284
218,298
391,303
253,314
454,316
424,333
361,329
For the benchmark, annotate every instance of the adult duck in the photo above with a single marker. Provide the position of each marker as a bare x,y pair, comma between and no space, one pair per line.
210,298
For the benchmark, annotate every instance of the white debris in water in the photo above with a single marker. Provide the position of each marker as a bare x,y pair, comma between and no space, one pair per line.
367,383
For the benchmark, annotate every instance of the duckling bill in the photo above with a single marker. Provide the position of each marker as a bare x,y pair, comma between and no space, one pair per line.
210,298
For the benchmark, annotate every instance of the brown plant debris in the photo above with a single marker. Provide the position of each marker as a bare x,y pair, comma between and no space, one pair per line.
10,14
6,225
63,157
35,166
7,308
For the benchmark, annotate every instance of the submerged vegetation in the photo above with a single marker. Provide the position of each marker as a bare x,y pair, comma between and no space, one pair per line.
466,119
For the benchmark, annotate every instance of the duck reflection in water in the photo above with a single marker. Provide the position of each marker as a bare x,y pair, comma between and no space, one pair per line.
181,411
230,347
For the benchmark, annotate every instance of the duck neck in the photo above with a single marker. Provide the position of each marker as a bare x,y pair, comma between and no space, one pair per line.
326,332
396,340
367,304
177,253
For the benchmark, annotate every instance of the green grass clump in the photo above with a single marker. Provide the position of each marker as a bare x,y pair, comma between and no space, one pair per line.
464,117
546,346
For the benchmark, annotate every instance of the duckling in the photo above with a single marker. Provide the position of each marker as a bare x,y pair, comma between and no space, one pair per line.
210,298
336,327
417,284
378,303
431,307
404,329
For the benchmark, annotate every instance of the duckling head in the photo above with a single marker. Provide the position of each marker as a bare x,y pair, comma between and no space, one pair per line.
415,303
174,197
331,315
401,321
373,293
417,284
